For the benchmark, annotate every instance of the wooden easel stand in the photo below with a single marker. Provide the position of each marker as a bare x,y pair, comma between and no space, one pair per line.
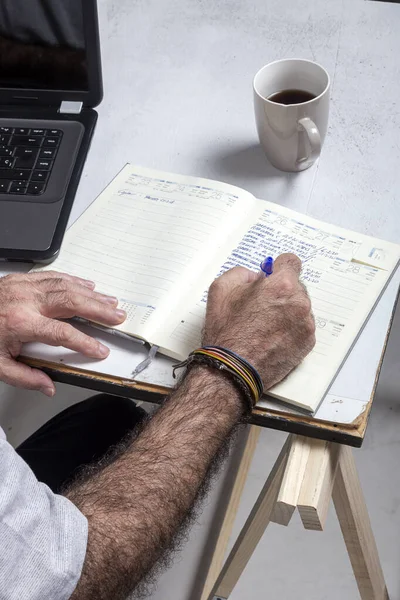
306,475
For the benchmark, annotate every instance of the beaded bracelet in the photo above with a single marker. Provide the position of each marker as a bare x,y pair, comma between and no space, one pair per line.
242,372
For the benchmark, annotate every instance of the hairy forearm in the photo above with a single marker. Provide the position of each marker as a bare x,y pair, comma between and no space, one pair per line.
136,504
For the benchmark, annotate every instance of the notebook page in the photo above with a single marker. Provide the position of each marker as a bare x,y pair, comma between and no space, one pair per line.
147,236
343,291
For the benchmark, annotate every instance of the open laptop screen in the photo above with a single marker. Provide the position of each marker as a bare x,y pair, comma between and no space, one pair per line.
42,45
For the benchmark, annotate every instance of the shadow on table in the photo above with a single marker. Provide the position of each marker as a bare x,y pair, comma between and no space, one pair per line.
247,163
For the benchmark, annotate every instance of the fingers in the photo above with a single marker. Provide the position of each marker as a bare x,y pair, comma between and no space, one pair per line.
58,333
61,298
40,276
110,300
287,262
67,304
71,287
22,376
27,326
237,276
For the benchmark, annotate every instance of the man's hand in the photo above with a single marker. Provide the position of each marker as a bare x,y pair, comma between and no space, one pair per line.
267,320
29,308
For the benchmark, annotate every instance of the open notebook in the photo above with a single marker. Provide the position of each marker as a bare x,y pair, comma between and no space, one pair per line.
157,240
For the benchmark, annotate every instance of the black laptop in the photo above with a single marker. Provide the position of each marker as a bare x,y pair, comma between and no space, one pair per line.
50,80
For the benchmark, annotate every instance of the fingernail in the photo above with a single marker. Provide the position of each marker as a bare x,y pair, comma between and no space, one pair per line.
89,284
109,300
121,314
103,350
49,391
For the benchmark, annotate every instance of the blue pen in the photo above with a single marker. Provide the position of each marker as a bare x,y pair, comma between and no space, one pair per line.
267,266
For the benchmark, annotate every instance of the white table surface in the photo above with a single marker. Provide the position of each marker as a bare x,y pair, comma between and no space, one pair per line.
178,97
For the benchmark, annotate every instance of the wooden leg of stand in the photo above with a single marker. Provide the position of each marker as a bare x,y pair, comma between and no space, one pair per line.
252,531
292,480
356,528
231,511
316,490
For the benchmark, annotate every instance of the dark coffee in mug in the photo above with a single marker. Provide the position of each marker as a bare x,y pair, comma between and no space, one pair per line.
291,97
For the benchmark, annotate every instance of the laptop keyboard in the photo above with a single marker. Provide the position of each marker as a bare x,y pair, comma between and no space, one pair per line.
26,159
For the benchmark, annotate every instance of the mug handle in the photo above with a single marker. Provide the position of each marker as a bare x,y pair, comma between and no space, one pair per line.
314,141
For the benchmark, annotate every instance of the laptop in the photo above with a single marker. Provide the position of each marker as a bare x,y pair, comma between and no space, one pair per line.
50,80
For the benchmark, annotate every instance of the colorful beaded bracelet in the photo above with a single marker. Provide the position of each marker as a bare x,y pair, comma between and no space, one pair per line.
243,373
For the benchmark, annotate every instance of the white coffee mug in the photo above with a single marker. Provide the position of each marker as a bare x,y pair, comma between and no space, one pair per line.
292,134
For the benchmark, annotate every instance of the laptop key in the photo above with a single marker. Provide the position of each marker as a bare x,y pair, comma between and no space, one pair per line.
25,162
4,139
37,131
48,153
6,151
17,188
39,176
6,130
25,152
36,188
22,131
51,142
15,174
23,175
44,165
53,132
6,161
4,185
26,140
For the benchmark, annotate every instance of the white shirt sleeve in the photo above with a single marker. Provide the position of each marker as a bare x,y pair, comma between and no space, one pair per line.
43,535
